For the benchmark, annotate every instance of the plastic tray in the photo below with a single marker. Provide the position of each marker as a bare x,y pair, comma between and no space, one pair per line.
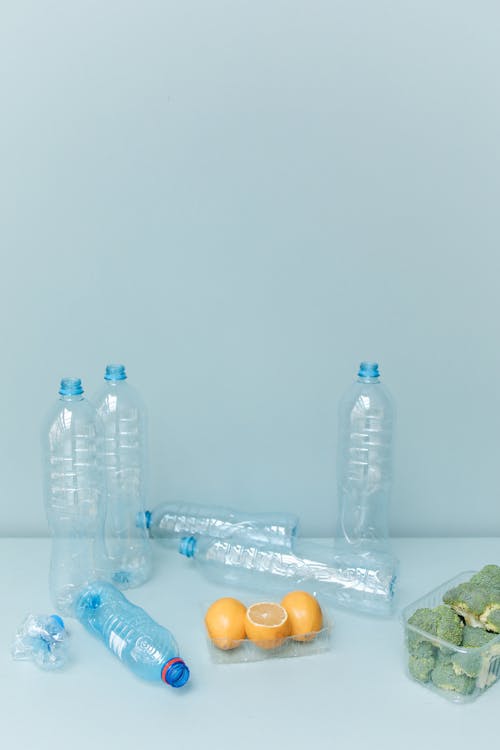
489,654
246,651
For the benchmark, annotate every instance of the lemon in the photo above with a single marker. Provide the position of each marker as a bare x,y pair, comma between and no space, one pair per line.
267,624
225,623
304,614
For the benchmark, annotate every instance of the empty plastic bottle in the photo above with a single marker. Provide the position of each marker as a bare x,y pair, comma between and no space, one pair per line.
360,582
43,640
148,649
122,451
364,462
73,495
175,520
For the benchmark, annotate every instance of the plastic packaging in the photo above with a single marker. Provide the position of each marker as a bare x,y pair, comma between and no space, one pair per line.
360,582
148,649
483,663
73,495
122,451
364,462
42,639
245,650
176,520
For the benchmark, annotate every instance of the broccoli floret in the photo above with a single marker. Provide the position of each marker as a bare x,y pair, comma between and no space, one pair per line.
491,618
444,676
476,665
467,601
420,667
487,578
441,621
475,637
478,600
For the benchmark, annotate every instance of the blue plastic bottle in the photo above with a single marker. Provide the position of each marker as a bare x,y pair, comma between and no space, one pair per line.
364,463
43,639
122,452
73,495
148,649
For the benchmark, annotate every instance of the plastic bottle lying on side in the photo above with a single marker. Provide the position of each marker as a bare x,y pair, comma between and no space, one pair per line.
42,639
122,452
148,649
176,520
74,500
363,582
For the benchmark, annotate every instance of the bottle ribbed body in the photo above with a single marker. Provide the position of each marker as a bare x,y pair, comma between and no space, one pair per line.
73,499
122,453
174,520
365,465
361,582
148,649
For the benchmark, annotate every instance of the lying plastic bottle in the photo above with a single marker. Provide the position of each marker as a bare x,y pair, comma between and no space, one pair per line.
364,583
175,520
148,649
42,639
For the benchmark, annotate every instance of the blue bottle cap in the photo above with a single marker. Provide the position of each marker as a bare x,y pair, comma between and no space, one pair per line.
175,672
368,370
59,620
187,546
70,387
115,372
143,519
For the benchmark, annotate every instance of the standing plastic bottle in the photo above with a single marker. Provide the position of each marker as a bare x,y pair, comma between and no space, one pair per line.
174,520
144,646
364,465
122,451
360,582
73,495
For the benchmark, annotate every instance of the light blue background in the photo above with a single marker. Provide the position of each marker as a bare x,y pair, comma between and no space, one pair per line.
241,200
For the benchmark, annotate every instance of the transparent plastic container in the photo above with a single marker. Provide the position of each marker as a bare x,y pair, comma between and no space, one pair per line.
246,651
122,454
365,462
485,660
74,501
172,521
363,583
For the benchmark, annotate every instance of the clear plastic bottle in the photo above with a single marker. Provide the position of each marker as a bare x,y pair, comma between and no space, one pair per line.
122,451
174,520
43,639
73,495
360,582
148,649
364,463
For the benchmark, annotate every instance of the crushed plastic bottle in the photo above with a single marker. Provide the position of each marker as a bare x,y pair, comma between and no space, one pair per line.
148,649
42,639
73,495
361,582
176,520
122,451
364,463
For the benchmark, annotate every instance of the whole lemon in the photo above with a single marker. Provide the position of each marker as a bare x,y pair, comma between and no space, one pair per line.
304,613
225,623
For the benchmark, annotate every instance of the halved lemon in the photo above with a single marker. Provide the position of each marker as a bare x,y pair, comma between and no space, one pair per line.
225,623
267,624
304,613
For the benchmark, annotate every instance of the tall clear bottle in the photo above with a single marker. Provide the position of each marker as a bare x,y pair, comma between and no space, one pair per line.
74,501
122,451
364,463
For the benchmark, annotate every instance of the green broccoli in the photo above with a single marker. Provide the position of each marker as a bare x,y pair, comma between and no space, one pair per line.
478,600
440,621
444,676
420,667
472,664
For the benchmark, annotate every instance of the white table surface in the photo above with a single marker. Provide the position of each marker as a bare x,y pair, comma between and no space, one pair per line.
357,693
